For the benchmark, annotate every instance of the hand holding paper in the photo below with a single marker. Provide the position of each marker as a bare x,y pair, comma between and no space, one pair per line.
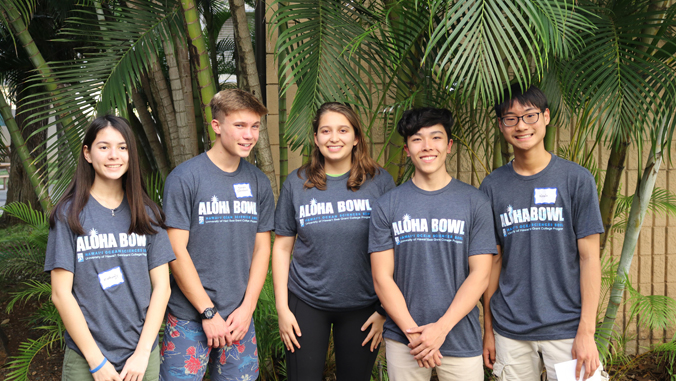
565,371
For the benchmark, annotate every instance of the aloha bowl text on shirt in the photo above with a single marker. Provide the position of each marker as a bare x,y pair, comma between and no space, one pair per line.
419,229
215,211
316,212
104,245
535,217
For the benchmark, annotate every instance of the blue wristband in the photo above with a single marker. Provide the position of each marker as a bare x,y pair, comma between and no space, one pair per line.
99,367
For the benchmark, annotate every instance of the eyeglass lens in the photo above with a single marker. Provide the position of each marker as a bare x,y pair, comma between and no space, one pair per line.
510,121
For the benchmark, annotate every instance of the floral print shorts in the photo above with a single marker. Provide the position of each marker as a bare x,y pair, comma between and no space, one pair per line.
184,354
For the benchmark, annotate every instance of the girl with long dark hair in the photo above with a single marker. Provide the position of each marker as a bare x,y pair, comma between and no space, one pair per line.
322,217
107,254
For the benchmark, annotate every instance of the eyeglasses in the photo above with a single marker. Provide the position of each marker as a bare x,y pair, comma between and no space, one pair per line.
511,121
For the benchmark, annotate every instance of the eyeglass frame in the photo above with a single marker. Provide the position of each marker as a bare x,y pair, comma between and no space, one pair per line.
501,119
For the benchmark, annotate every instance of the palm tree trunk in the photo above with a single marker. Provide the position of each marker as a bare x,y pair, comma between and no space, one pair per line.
251,83
26,160
201,127
20,30
506,150
283,146
212,36
639,206
184,135
611,186
189,133
151,132
203,69
145,155
165,107
497,150
550,138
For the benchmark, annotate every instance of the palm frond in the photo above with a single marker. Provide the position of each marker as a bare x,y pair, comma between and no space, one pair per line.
27,214
317,59
652,311
23,260
19,365
25,8
618,71
119,49
34,290
662,202
483,44
667,356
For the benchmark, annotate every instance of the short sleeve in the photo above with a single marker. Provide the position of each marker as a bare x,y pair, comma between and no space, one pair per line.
485,188
159,250
586,212
285,214
61,249
387,182
482,233
380,235
266,204
177,202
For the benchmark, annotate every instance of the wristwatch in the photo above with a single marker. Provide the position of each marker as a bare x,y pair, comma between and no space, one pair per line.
209,313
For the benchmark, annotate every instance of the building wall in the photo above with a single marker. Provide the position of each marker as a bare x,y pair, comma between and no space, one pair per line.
653,270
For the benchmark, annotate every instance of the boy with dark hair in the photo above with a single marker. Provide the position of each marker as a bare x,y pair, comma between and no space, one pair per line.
543,295
220,211
431,241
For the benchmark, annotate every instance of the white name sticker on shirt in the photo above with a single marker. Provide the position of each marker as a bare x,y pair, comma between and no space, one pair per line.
243,190
111,278
545,195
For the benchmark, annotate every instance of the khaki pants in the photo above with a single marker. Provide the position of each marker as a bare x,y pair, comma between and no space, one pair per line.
519,360
76,368
401,366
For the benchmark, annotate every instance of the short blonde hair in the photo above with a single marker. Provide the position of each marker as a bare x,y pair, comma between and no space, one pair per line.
231,100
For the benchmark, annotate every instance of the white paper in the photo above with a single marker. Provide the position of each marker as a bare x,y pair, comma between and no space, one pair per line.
565,371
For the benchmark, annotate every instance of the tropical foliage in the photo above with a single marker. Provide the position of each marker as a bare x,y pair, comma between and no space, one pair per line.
24,255
606,66
609,63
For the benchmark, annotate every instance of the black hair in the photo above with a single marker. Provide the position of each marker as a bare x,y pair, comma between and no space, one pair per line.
531,97
413,120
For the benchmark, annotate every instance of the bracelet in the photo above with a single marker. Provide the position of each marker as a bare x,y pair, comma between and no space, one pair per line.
99,367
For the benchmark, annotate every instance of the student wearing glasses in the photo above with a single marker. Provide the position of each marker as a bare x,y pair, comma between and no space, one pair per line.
540,306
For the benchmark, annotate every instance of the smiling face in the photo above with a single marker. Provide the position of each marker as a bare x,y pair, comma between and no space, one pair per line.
335,139
428,149
525,137
238,132
108,155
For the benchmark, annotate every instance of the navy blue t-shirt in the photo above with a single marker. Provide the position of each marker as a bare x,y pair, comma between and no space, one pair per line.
538,220
433,234
331,268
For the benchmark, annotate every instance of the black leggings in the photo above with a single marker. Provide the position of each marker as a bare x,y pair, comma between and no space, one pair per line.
353,362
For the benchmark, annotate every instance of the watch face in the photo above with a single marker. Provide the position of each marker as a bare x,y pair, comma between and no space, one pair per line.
208,313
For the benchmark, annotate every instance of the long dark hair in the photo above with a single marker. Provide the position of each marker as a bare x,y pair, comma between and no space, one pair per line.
77,194
363,165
